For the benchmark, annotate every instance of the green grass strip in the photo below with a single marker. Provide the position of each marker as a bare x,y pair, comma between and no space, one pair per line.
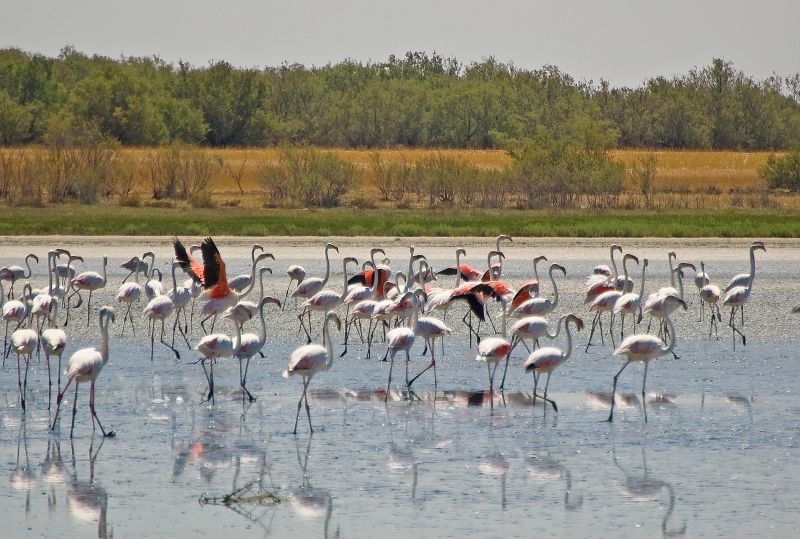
110,220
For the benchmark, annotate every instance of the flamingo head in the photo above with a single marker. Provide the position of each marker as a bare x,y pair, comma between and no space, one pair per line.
33,256
270,299
559,267
615,247
676,300
329,246
264,256
262,271
335,319
107,313
575,320
376,250
644,262
630,257
461,252
757,246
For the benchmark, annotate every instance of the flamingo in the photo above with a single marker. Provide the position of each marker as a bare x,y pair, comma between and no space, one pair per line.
493,349
217,346
533,328
41,306
402,338
360,297
541,306
240,283
710,293
701,279
310,359
159,308
66,272
601,280
295,273
430,329
310,286
497,268
366,276
644,347
180,297
741,278
738,296
54,341
605,302
656,305
14,311
130,292
631,304
325,300
84,366
135,264
23,342
251,344
546,360
246,310
154,286
15,273
91,281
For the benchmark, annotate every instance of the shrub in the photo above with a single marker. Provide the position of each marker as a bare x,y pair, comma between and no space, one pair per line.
782,172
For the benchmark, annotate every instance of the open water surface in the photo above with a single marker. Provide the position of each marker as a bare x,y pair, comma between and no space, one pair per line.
718,456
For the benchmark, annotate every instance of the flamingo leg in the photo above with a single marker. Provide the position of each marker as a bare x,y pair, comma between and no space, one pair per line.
19,384
74,409
49,381
591,333
431,364
614,392
177,355
152,337
94,413
243,381
58,404
552,402
514,342
308,408
389,383
89,308
644,381
299,405
535,385
408,360
491,386
286,296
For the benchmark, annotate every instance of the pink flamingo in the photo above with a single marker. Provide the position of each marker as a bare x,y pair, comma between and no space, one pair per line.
546,360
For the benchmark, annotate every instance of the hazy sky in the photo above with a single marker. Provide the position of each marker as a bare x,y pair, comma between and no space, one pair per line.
623,41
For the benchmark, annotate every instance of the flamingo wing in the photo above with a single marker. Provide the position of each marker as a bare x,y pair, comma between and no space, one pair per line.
214,277
188,264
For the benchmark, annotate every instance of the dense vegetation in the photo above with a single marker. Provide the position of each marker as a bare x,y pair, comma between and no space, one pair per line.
417,100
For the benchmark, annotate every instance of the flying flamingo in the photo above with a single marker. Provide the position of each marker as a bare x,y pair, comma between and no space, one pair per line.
84,366
310,359
53,340
23,342
251,344
738,296
91,281
217,346
710,293
546,360
130,292
631,303
644,347
15,273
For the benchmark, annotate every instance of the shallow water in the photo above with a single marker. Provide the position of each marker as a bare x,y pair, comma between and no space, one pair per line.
717,457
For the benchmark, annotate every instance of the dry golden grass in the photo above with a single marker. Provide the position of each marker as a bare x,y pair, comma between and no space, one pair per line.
678,170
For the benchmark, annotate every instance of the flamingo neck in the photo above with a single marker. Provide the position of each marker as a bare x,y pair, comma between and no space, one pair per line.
680,283
374,288
174,284
614,265
237,342
504,319
536,271
263,338
149,273
624,274
567,353
410,278
327,269
28,264
558,328
671,272
328,342
641,286
458,269
344,285
105,263
555,289
104,339
51,264
752,277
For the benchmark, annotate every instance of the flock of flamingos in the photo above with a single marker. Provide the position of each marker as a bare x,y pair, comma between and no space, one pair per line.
403,307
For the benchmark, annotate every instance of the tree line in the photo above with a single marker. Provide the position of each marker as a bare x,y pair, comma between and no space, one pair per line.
418,99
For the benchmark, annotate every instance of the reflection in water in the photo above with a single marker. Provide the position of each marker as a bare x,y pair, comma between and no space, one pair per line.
88,500
494,463
601,400
401,458
645,488
23,479
53,470
545,467
742,401
307,501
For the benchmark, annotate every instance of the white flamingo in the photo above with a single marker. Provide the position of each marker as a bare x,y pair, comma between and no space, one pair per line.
402,338
130,293
631,304
23,342
738,296
325,300
91,281
741,278
240,283
538,306
605,302
295,273
644,347
15,273
246,310
251,344
14,310
84,366
310,359
217,346
546,360
710,293
54,341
